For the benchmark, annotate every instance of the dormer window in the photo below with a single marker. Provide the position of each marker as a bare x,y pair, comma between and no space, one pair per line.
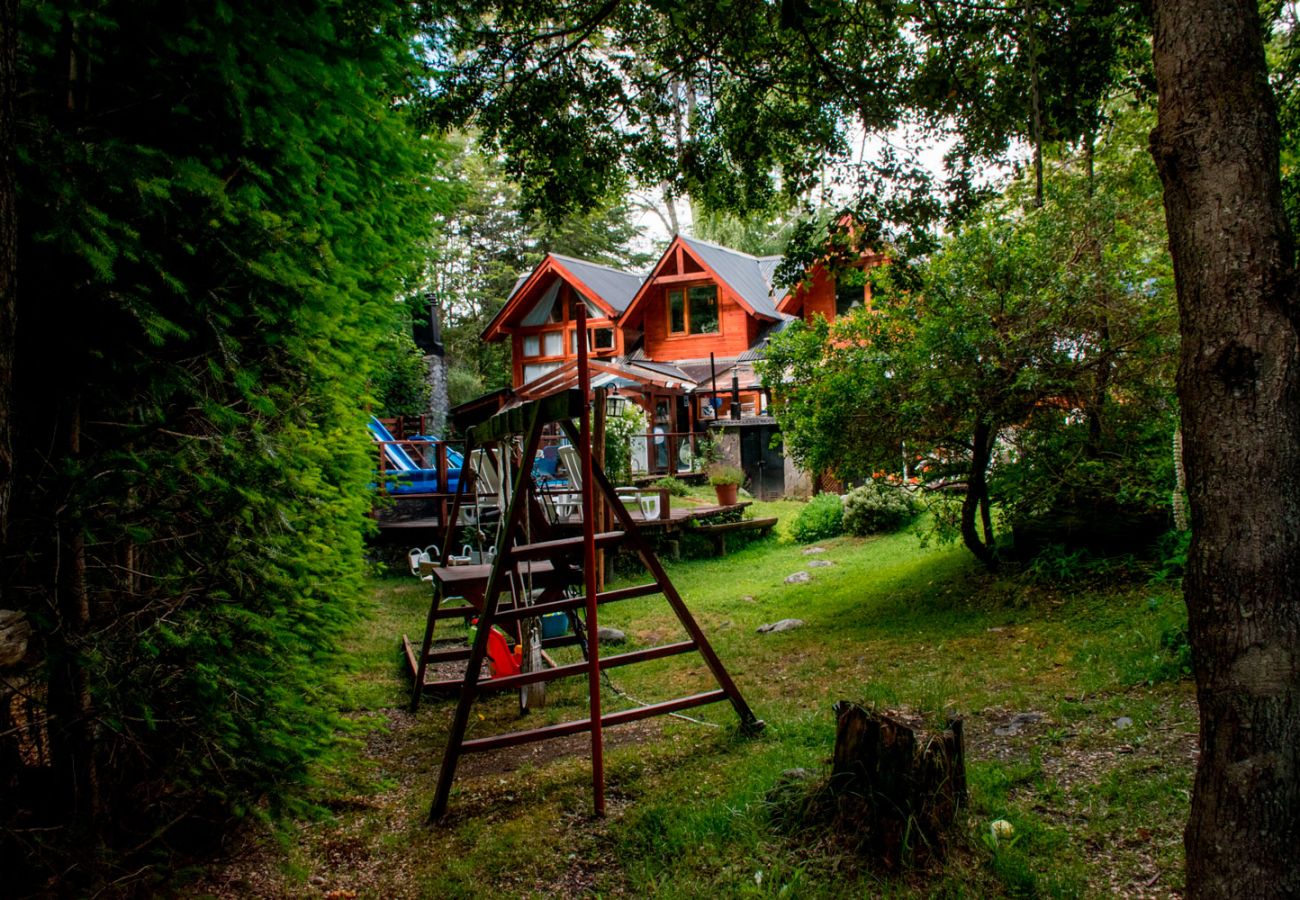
850,292
693,310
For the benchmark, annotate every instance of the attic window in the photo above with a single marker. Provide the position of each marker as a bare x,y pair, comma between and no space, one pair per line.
557,311
702,308
693,310
532,345
850,292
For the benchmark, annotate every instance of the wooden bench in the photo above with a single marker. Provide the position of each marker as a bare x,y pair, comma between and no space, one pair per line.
718,533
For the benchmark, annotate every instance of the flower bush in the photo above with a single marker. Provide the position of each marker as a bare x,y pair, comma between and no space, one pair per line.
878,507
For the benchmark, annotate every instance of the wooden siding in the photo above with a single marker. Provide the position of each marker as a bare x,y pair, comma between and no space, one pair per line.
815,295
737,329
565,328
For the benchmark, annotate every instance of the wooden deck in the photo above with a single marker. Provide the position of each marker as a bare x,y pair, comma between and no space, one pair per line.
429,529
678,516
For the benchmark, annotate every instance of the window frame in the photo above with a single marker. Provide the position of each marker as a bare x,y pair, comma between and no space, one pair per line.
685,291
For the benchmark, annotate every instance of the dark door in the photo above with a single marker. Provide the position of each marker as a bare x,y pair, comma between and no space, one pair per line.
763,463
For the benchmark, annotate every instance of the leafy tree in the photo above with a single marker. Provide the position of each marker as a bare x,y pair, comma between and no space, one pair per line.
711,98
1217,148
781,81
762,233
1041,327
487,241
217,205
400,385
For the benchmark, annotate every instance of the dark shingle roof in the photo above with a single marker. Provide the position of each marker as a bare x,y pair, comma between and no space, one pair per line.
749,276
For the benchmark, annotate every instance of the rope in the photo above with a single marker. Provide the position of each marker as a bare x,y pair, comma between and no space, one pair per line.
609,683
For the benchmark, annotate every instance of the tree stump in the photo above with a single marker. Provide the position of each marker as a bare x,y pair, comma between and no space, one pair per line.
14,632
897,786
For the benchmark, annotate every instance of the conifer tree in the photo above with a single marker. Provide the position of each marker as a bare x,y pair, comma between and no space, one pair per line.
217,206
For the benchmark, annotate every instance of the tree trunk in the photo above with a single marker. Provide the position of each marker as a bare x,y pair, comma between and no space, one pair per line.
977,490
8,254
73,740
1216,147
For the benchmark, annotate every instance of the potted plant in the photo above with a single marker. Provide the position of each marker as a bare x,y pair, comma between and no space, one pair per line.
725,480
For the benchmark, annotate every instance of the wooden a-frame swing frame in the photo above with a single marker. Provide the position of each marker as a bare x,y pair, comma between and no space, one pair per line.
529,420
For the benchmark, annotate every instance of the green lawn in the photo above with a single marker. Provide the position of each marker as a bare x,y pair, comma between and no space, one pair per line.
1096,787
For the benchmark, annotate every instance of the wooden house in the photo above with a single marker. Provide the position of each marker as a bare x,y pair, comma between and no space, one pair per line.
822,294
680,340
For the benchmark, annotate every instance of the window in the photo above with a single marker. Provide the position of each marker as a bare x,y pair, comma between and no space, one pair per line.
557,310
532,372
553,343
532,345
850,292
598,339
677,312
694,310
702,308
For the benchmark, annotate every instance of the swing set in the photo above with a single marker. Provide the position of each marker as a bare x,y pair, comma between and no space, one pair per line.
537,573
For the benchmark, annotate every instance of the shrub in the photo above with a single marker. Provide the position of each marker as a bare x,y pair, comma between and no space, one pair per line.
823,517
400,382
619,429
674,486
878,507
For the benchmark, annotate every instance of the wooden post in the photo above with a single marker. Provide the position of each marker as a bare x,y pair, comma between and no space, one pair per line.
598,456
589,571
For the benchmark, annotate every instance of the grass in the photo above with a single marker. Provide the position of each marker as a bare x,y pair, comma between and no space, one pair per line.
1097,804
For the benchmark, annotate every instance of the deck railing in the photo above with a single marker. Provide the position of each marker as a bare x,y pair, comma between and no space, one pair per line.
666,453
431,455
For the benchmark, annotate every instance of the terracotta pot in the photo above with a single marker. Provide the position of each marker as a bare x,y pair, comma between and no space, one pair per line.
726,494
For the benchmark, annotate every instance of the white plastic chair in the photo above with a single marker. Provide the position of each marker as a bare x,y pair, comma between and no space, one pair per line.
567,504
416,556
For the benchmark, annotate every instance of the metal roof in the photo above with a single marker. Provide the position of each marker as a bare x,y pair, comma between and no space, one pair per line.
614,286
665,368
749,276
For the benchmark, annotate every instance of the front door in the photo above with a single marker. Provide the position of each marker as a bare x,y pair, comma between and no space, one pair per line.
764,464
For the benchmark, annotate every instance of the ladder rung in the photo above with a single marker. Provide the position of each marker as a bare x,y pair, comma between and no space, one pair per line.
545,549
568,603
627,593
515,738
579,668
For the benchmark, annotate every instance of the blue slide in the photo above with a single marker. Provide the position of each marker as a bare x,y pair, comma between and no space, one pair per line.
408,477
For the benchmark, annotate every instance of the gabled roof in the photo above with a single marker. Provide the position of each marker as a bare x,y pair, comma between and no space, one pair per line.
609,289
748,278
615,286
